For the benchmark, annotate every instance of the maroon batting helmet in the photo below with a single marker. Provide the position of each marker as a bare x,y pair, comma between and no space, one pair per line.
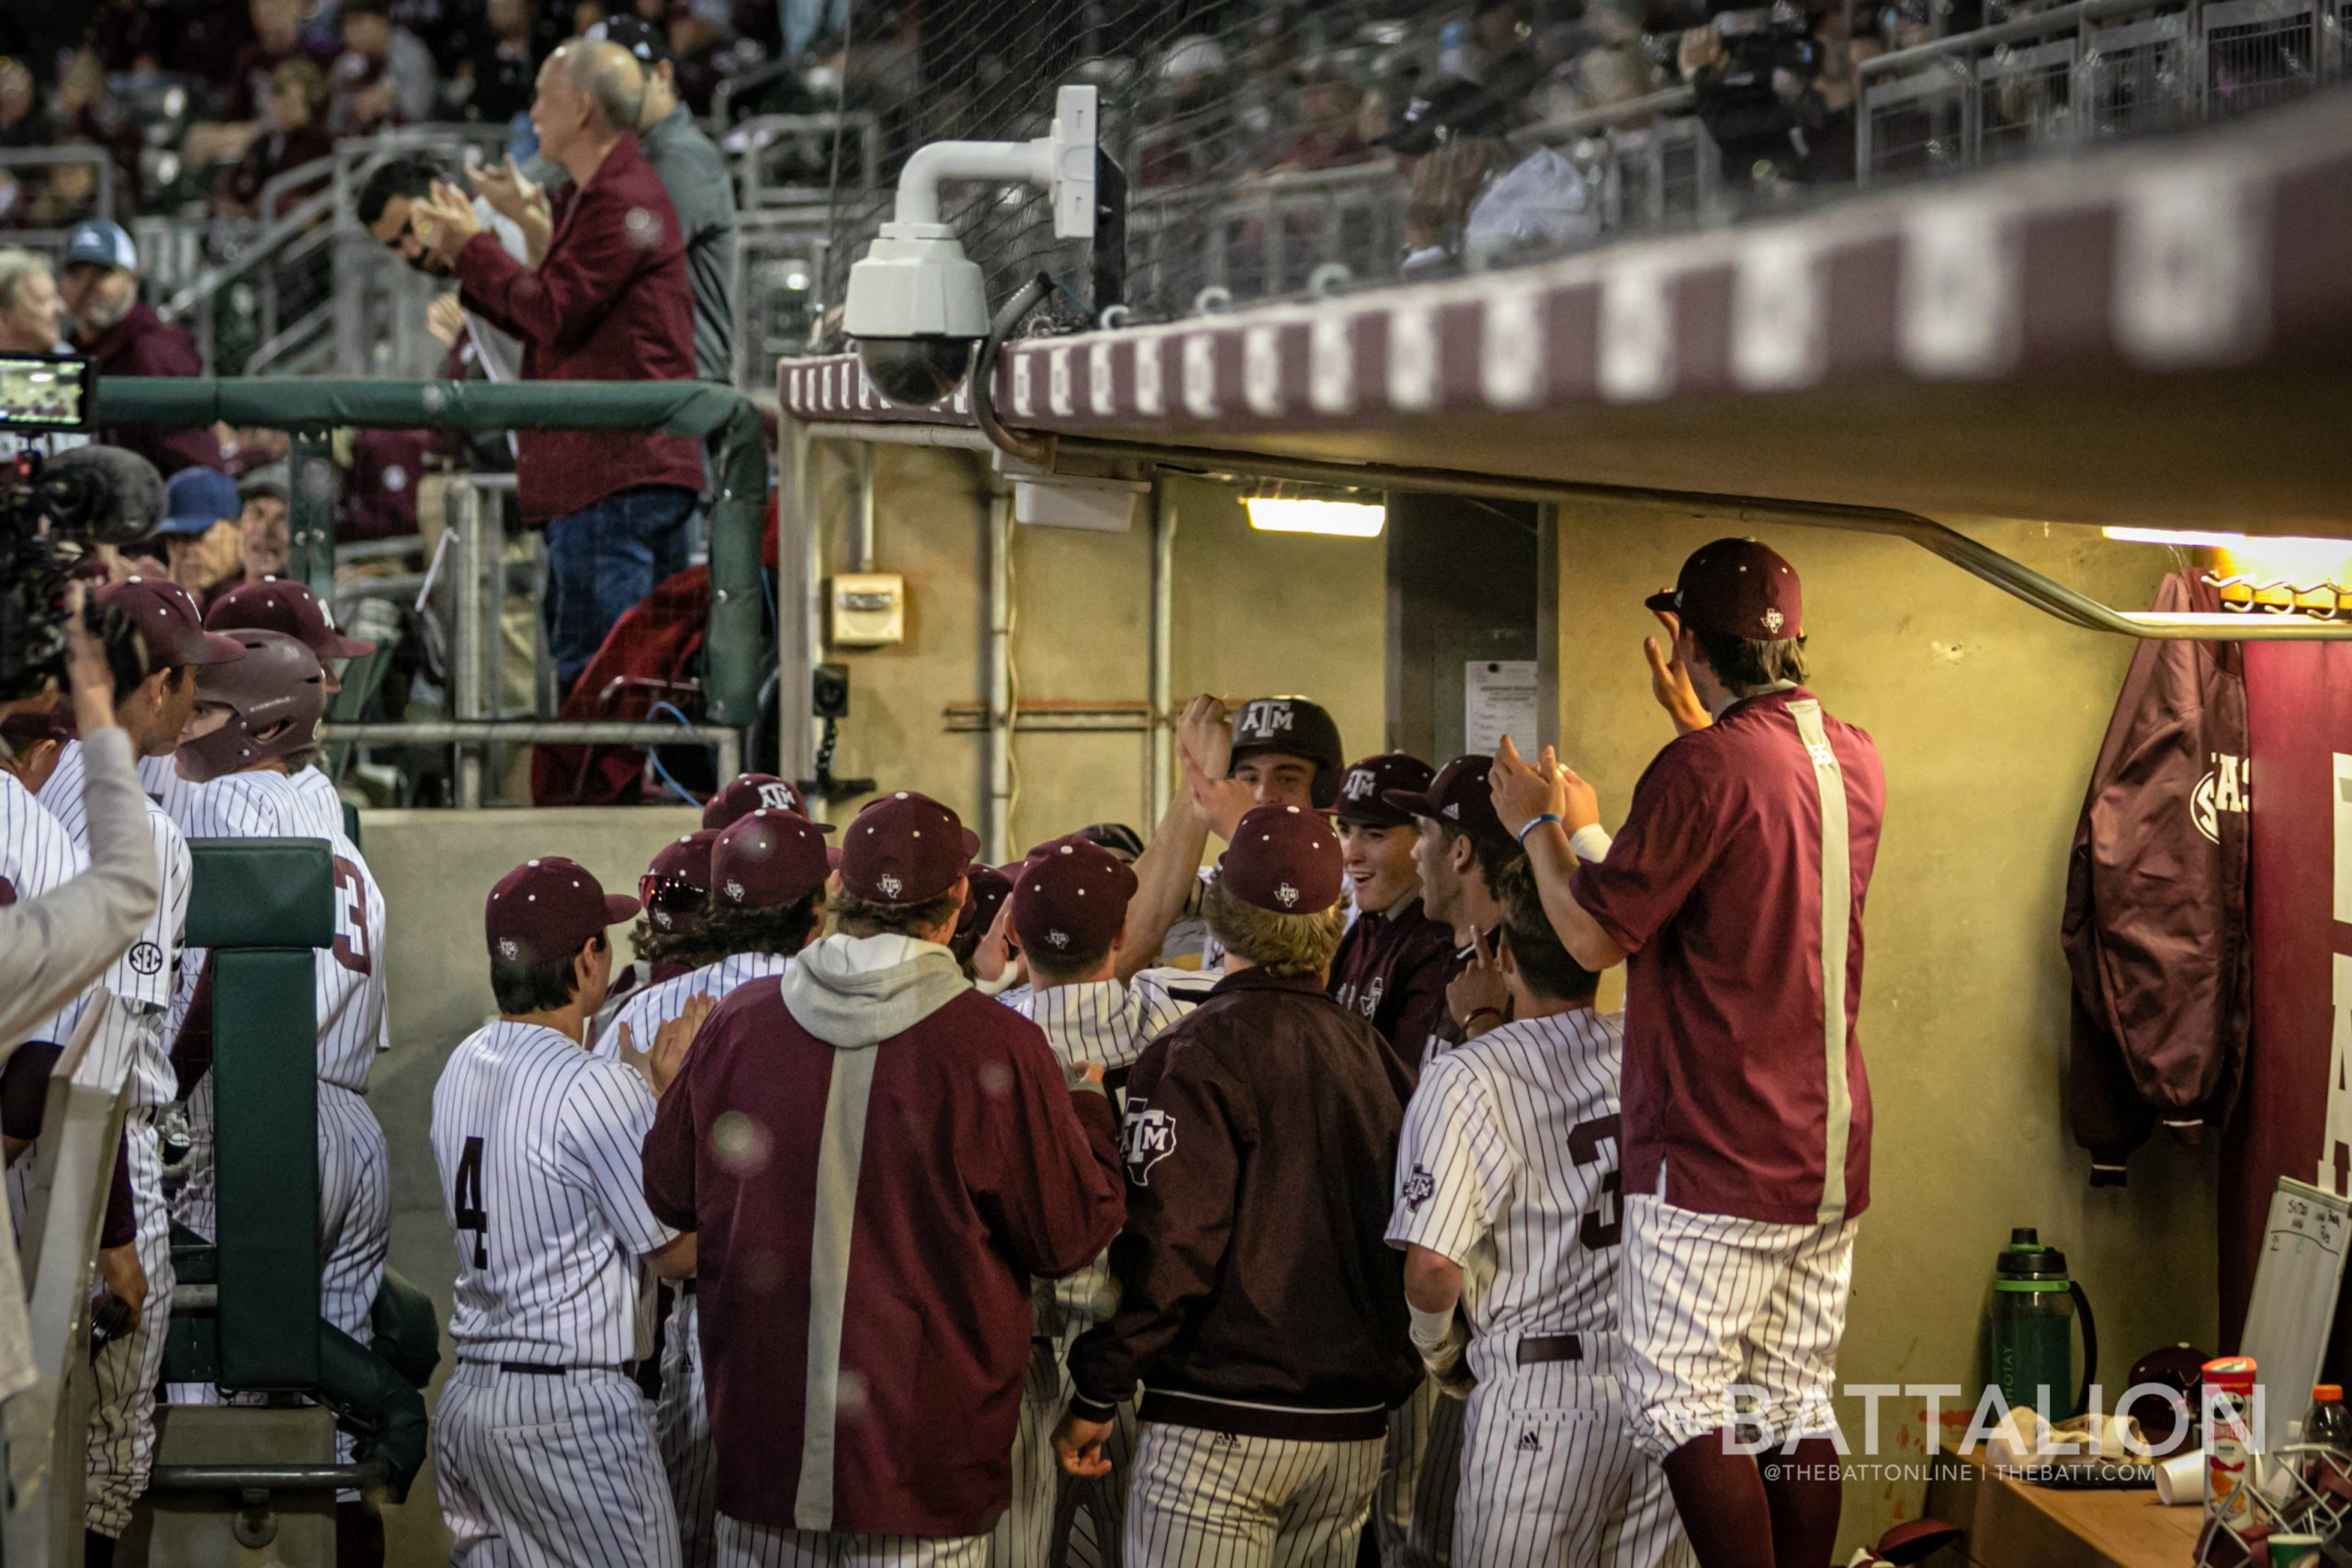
275,695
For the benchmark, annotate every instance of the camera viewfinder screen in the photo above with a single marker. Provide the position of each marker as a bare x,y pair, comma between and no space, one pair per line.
44,391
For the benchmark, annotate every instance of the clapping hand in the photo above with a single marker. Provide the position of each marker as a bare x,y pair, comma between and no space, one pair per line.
510,194
662,1063
444,221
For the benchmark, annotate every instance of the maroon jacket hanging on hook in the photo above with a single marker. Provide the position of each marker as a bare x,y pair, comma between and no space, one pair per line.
2155,929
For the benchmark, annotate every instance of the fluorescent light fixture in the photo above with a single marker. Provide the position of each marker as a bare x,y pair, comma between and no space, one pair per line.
1291,514
2272,549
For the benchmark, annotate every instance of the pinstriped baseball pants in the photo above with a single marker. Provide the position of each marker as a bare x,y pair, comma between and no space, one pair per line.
1552,1478
1091,1516
1205,1499
682,1421
1419,1471
540,1471
122,1413
1023,1537
1710,1303
760,1546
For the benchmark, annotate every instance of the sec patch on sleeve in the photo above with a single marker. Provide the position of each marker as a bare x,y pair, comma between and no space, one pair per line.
1148,1137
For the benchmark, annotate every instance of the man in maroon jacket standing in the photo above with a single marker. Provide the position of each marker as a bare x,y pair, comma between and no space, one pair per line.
609,300
124,336
875,1159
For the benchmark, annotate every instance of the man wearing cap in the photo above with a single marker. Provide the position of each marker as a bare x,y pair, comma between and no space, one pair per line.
544,1447
132,1045
264,522
1068,911
1261,1140
289,608
1734,888
1392,969
747,792
877,1159
766,902
124,336
199,533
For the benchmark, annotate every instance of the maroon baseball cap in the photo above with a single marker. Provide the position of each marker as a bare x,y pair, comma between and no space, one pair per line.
278,604
548,908
1285,860
903,848
29,726
1364,791
1460,797
985,890
1737,588
1072,897
169,622
769,860
747,792
676,884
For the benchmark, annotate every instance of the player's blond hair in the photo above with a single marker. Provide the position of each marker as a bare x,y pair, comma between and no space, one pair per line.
1288,947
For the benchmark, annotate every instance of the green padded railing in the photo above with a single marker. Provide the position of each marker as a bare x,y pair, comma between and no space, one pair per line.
310,407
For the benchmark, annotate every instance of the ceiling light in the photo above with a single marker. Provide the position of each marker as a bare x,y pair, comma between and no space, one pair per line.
1291,514
2264,549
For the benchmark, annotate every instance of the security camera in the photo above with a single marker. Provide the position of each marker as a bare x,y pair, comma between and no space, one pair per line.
917,305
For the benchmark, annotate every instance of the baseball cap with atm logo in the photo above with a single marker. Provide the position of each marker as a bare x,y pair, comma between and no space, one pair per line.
1364,791
1737,588
548,908
1284,860
903,848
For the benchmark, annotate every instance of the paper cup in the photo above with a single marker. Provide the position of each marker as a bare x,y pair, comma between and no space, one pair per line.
2295,1551
2180,1480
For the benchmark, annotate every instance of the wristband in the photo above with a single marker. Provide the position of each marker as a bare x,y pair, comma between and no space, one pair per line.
1478,1013
1534,822
1590,842
1430,1330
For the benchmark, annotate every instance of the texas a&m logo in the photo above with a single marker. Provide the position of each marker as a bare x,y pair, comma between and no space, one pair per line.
1148,1137
776,795
1361,783
1266,715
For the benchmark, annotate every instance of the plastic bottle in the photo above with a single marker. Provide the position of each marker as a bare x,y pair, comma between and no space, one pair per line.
2330,1422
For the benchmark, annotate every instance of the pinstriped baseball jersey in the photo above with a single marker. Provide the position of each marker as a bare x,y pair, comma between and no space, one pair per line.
540,1146
320,807
652,1006
36,854
148,974
1507,1168
350,992
161,778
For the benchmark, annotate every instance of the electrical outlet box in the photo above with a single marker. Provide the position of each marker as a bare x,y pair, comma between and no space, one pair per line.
869,610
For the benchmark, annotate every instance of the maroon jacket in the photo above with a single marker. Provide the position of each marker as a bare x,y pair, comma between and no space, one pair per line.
610,301
1391,971
875,1207
144,344
2156,889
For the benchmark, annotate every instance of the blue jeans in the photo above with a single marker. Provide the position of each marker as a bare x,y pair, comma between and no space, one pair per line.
603,559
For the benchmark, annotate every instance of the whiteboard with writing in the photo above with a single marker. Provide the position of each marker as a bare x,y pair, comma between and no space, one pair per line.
2294,1300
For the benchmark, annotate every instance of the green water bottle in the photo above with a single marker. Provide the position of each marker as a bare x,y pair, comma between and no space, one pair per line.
2030,1337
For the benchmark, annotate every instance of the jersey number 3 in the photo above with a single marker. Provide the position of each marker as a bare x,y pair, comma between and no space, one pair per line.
1583,1147
351,919
465,1203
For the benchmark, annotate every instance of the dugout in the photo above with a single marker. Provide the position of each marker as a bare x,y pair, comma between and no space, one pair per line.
1994,371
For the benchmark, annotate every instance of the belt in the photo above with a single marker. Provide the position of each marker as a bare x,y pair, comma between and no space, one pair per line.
1538,1348
542,1368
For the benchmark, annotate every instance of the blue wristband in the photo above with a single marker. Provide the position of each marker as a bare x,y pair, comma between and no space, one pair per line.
1535,822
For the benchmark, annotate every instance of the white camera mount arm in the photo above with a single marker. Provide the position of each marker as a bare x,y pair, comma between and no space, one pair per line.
1062,160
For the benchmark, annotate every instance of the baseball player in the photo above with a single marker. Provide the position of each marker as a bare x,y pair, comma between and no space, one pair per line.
747,792
1393,970
767,901
280,604
255,725
1466,863
132,1043
544,1449
1258,1302
1735,888
878,1159
1069,910
985,891
673,892
1507,1208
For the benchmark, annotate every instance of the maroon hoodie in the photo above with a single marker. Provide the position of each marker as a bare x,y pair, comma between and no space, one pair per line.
144,344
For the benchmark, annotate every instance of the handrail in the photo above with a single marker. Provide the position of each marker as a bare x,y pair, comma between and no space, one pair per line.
320,168
265,249
19,157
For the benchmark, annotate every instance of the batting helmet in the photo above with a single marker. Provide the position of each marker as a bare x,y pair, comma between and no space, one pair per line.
275,695
1292,726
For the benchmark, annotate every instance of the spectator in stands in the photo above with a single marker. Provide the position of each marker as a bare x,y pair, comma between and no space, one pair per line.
501,67
609,300
277,41
587,14
701,189
84,109
297,135
381,502
1327,135
30,311
21,122
203,546
264,532
387,208
124,336
384,76
69,193
702,42
1190,140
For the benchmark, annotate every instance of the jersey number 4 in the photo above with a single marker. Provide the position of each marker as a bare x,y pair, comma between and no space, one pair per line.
465,1203
1583,1147
351,919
